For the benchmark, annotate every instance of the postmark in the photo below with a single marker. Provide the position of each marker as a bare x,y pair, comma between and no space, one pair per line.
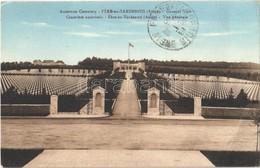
173,25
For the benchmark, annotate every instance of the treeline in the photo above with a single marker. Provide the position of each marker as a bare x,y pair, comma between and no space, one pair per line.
105,63
15,65
96,63
255,76
88,63
205,68
28,65
178,67
203,64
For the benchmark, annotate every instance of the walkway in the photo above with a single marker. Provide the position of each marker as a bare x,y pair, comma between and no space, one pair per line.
119,158
127,105
75,115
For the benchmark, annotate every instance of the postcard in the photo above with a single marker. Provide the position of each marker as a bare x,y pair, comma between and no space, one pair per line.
130,83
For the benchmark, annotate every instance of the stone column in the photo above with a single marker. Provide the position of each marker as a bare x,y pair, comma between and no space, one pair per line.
153,100
197,106
98,101
141,65
54,104
116,65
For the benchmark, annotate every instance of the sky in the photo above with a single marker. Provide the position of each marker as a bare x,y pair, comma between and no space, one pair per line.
228,31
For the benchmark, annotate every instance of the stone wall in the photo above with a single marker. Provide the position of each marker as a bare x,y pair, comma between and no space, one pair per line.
87,109
228,112
25,109
164,109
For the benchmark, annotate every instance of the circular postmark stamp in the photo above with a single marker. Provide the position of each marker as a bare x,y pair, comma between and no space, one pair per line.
172,25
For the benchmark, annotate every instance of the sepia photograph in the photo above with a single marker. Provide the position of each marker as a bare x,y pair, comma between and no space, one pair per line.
130,84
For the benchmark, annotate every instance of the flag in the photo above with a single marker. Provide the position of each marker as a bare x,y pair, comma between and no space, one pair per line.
131,45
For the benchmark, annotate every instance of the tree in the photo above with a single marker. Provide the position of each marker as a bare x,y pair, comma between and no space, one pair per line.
11,90
242,98
230,94
256,122
230,100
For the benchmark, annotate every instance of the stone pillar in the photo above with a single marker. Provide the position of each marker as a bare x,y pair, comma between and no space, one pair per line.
116,65
197,106
98,101
54,104
153,100
141,65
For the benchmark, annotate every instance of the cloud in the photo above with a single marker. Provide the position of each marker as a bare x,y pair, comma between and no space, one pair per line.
119,33
97,34
143,40
135,22
86,34
85,26
37,24
212,34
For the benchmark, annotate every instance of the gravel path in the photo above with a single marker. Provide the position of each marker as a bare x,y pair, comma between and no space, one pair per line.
226,135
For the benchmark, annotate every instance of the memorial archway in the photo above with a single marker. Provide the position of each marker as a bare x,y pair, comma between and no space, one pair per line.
153,101
98,100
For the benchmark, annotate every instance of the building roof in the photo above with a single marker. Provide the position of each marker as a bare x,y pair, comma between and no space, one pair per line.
59,61
37,61
48,61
